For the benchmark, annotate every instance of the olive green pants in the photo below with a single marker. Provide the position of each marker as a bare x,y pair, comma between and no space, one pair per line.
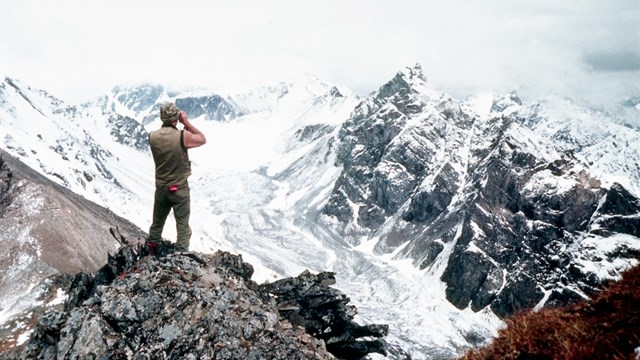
164,202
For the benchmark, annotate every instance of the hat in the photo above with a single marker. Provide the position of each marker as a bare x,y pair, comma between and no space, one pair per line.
169,112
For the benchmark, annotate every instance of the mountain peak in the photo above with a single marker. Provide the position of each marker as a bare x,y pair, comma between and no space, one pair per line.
501,103
409,80
410,75
413,72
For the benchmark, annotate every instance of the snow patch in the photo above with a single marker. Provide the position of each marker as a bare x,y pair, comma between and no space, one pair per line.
545,182
592,255
24,337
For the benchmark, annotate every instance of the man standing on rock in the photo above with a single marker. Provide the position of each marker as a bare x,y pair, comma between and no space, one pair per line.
169,148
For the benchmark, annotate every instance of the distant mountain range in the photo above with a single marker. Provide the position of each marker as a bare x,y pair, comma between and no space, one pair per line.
496,205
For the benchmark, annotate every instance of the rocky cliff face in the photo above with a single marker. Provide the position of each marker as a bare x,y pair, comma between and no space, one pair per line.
504,215
194,306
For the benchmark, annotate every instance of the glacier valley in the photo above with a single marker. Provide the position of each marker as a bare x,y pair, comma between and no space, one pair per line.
286,176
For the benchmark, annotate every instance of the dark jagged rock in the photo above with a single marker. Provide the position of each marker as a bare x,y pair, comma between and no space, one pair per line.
194,306
6,181
308,301
606,327
84,284
311,132
369,169
618,213
128,131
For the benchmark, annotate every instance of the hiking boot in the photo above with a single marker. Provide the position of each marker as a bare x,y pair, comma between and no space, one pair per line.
179,249
153,248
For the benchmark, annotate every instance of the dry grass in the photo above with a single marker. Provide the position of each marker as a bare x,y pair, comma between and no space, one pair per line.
607,327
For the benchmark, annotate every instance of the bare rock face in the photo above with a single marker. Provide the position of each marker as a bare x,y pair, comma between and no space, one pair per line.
192,306
309,302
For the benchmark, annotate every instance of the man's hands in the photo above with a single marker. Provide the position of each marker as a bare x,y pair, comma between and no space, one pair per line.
192,136
183,118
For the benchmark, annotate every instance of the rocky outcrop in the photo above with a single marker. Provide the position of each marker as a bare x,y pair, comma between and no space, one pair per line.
308,301
128,131
196,306
525,224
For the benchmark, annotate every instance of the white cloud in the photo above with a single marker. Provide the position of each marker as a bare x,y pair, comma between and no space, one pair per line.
78,48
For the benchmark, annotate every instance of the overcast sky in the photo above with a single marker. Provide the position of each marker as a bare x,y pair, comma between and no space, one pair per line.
588,50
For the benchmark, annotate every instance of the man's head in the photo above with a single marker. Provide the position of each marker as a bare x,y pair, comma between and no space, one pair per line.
169,112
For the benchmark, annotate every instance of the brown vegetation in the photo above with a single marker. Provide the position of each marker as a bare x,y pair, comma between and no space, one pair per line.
607,327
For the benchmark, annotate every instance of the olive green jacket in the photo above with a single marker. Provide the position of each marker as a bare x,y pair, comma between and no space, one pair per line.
170,156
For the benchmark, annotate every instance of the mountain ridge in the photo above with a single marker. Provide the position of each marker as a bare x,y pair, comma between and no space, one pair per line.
405,175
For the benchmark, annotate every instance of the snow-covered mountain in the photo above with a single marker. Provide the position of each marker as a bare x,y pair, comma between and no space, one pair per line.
438,215
498,205
80,148
143,102
608,148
